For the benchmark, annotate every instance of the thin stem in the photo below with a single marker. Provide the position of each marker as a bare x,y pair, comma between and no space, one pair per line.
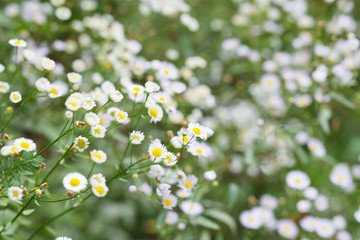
28,98
92,169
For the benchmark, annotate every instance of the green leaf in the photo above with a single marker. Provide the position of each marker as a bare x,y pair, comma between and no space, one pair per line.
205,222
301,154
341,99
233,194
161,219
4,202
324,117
28,212
205,235
222,217
249,156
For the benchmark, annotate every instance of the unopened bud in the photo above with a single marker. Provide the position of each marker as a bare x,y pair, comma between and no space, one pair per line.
69,193
38,192
44,186
150,78
6,137
178,155
170,134
184,123
135,175
79,123
150,137
42,166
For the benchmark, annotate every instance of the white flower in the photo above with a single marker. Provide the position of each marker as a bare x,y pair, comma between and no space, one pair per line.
15,193
151,87
199,149
97,179
88,103
321,203
15,97
310,193
98,131
2,68
74,78
188,183
171,217
98,156
132,188
270,82
210,175
73,103
287,228
302,100
155,112
42,85
183,193
121,116
341,176
17,43
100,190
268,201
136,137
297,180
309,223
303,206
157,151
81,143
91,119
116,96
250,219
197,130
4,87
169,159
156,171
55,90
163,189
316,147
325,228
136,93
191,208
169,201
63,13
47,64
75,182
25,144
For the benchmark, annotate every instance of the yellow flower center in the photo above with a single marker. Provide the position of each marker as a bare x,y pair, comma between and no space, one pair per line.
138,69
53,91
15,193
166,72
167,202
136,89
162,99
153,112
97,131
18,42
121,116
135,138
297,180
99,189
197,131
16,97
97,156
185,139
81,143
73,104
13,149
199,150
25,145
101,122
157,152
188,184
74,182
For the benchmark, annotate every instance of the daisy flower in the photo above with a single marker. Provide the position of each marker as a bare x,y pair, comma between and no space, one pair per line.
163,189
250,219
42,85
55,90
136,137
75,182
170,159
98,131
25,144
15,193
156,113
73,104
161,97
183,193
297,180
151,87
15,97
188,183
210,175
100,190
47,64
121,116
316,147
17,43
98,156
199,149
88,103
136,93
63,13
81,143
157,151
325,228
270,82
91,119
74,78
287,228
302,100
197,130
192,208
169,201
116,96
97,179
4,87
